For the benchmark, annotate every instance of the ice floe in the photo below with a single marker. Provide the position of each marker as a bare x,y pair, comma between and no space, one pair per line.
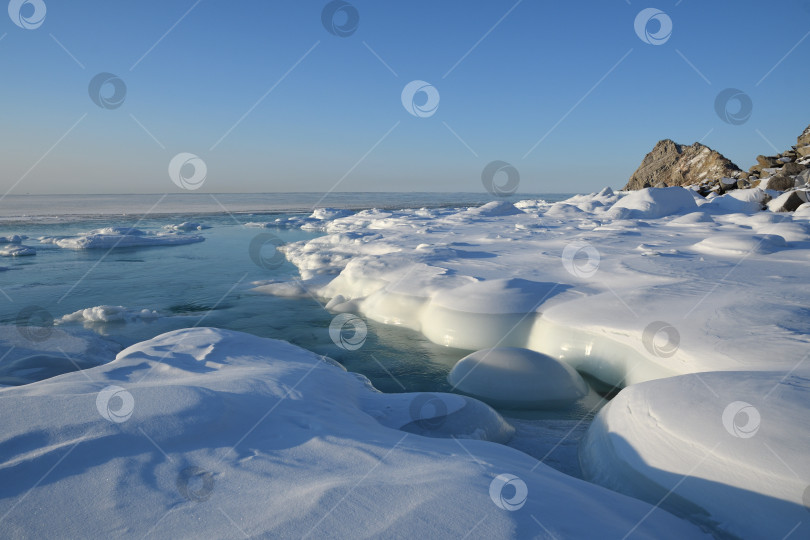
121,237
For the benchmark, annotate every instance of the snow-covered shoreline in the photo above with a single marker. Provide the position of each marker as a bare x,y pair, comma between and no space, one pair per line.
630,288
696,307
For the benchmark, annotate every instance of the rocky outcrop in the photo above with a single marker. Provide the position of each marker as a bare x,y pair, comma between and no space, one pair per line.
803,143
673,164
707,171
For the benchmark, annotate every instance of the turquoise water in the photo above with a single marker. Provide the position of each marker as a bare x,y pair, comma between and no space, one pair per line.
210,283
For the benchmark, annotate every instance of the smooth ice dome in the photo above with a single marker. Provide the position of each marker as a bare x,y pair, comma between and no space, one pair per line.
515,378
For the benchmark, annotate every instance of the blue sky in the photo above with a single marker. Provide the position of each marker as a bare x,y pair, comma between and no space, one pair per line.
574,74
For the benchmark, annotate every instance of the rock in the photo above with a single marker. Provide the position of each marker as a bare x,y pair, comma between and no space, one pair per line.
766,162
781,183
804,138
789,201
791,169
804,177
742,184
803,151
679,165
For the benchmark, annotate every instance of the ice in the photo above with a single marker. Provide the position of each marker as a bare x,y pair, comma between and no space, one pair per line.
122,237
16,250
195,430
727,450
108,314
12,239
514,378
572,283
187,226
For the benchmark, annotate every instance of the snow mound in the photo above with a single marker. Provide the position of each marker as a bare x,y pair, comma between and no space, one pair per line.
123,237
516,378
12,239
651,203
195,430
739,200
740,244
16,250
108,314
493,209
728,461
692,218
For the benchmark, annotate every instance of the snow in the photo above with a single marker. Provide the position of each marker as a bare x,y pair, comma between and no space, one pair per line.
187,226
16,250
212,433
121,237
107,314
654,203
11,239
513,378
736,441
738,200
696,308
34,353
